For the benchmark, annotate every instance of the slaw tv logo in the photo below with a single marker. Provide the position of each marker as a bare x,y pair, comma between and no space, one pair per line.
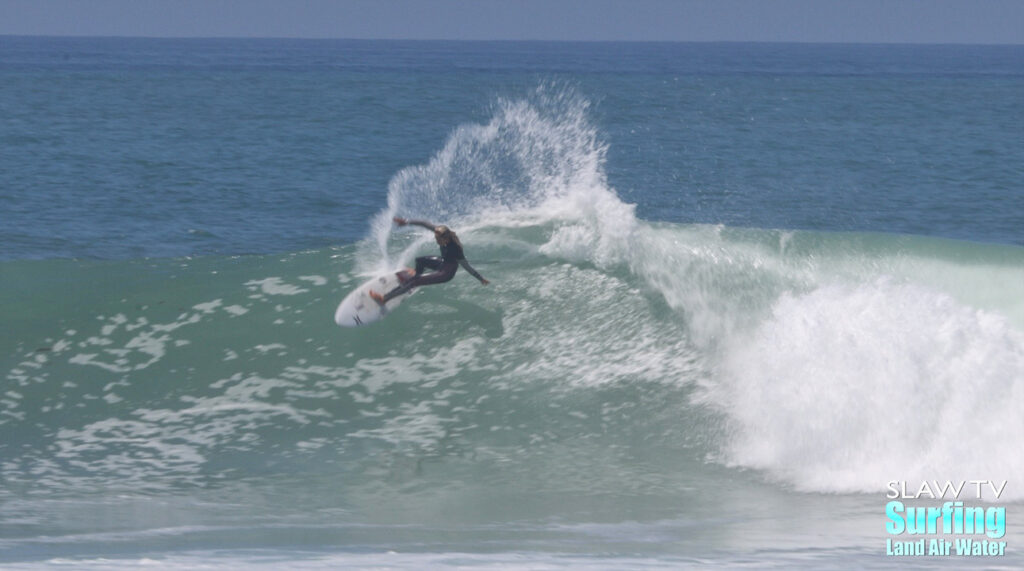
945,519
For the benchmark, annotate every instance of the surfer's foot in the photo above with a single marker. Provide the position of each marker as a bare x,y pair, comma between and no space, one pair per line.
405,275
377,297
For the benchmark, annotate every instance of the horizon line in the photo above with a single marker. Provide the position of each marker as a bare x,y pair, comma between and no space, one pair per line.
512,40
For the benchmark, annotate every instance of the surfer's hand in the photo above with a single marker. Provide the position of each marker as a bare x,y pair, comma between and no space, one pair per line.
485,282
400,221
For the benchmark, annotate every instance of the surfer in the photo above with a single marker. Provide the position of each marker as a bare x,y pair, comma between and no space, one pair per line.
442,267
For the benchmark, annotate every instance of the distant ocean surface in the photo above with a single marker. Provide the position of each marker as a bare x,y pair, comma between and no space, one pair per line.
737,289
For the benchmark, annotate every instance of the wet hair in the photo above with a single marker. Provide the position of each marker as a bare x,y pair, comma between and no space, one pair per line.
447,234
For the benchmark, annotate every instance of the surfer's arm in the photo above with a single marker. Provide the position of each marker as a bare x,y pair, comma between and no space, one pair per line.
472,272
423,223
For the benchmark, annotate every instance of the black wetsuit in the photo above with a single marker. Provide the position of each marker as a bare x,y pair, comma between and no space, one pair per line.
442,268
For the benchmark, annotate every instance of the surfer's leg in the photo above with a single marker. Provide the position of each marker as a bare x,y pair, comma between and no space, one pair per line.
404,287
407,282
405,275
444,273
428,262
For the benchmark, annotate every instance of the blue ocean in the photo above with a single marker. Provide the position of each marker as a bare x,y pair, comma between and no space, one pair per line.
737,291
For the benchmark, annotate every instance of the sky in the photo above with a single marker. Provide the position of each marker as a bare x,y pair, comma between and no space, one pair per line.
870,21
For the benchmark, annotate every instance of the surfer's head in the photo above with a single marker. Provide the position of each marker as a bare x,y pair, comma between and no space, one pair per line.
444,235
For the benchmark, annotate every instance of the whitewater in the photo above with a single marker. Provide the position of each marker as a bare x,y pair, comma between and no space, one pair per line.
628,392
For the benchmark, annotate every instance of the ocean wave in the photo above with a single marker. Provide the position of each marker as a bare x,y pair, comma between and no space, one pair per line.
826,362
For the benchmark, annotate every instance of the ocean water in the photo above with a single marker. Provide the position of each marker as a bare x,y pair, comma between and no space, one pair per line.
736,291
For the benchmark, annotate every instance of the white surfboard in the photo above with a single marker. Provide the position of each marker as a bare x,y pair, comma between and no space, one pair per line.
358,308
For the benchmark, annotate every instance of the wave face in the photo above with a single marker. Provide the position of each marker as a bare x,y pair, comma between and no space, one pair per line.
612,357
